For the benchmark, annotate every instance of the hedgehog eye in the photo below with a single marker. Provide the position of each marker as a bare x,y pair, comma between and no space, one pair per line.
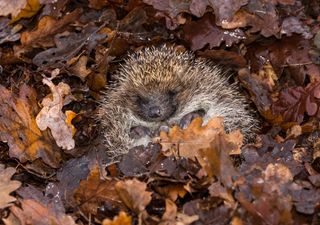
138,99
172,93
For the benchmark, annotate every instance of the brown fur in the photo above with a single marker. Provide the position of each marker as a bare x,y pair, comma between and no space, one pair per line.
195,83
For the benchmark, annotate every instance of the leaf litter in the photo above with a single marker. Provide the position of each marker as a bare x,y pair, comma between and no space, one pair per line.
56,57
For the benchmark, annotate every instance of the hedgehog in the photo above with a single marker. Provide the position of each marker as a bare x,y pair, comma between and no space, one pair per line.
158,87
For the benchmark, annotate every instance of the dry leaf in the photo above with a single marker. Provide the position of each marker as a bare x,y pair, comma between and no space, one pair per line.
7,186
70,115
12,7
53,118
172,191
94,192
171,211
19,129
47,27
195,136
121,219
30,9
33,212
80,68
209,144
133,193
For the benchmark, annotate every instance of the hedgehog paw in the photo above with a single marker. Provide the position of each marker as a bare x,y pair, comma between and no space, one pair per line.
139,132
186,120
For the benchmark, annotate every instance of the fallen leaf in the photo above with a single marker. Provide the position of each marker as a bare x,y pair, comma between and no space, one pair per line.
98,4
94,192
121,219
19,129
9,33
208,211
217,190
11,7
268,209
30,9
172,191
223,57
263,19
208,144
33,212
79,69
296,102
67,46
204,31
53,118
225,9
171,211
133,193
47,27
7,186
292,25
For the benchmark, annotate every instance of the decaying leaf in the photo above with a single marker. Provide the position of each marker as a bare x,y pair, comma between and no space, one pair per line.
53,118
209,144
46,29
171,216
80,69
294,103
8,33
19,129
208,211
11,7
133,193
7,186
33,212
195,136
192,179
67,46
121,219
204,31
264,20
94,192
30,8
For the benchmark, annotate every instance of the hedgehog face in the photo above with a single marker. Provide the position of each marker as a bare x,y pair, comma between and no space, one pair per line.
154,107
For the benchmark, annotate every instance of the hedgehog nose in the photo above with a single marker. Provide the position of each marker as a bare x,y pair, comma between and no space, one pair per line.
154,112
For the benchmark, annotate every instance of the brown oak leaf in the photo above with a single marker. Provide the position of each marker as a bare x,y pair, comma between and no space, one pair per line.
267,23
121,219
209,144
133,193
47,27
295,102
204,31
7,186
19,129
94,192
33,212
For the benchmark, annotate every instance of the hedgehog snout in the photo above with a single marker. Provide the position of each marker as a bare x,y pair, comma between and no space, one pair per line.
157,107
154,112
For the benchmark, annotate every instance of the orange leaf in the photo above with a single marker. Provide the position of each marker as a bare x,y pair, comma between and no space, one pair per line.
19,129
46,29
30,9
208,144
121,219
